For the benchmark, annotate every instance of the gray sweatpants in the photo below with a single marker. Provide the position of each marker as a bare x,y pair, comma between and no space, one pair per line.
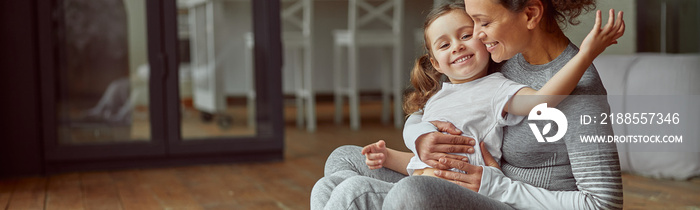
349,184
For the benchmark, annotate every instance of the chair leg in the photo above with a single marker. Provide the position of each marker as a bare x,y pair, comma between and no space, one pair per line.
386,69
251,109
354,99
398,85
299,89
337,86
311,113
308,86
251,91
300,110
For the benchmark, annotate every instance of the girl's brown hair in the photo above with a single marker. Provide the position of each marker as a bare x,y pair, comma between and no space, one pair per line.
556,12
426,80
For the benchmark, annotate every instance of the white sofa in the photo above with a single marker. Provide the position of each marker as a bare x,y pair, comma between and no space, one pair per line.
658,80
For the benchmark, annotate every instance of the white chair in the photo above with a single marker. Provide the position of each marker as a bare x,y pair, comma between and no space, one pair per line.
207,81
297,15
362,32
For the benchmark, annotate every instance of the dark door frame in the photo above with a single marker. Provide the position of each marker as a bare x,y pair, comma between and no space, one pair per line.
268,81
166,146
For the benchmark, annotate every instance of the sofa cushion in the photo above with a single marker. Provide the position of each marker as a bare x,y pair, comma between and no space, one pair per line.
654,83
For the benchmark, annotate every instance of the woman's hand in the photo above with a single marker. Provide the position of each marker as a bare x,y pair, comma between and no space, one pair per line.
598,39
472,178
433,146
375,154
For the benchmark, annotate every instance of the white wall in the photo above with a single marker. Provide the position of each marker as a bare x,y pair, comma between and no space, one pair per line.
234,20
627,43
136,18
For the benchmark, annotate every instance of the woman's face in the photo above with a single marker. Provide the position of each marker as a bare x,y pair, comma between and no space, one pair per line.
456,53
503,32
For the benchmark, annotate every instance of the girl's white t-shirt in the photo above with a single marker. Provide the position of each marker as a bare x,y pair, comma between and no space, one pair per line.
476,108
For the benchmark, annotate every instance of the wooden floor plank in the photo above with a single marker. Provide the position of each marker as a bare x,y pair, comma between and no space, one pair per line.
29,194
207,187
64,192
6,189
169,189
241,187
284,189
99,191
133,192
647,193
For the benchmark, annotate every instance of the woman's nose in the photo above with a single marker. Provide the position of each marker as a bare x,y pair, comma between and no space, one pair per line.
480,35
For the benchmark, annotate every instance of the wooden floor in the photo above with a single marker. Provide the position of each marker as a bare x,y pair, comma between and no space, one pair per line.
268,185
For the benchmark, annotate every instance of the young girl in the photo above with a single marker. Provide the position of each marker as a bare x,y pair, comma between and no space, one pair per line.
473,100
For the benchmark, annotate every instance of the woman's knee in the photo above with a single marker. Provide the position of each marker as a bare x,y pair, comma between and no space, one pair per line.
345,150
322,190
338,183
359,192
326,184
424,192
415,192
407,193
342,158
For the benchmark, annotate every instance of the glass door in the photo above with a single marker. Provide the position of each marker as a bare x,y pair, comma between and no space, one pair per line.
217,86
230,94
96,80
138,79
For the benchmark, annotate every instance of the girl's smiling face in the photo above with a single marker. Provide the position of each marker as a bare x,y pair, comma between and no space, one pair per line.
455,52
502,31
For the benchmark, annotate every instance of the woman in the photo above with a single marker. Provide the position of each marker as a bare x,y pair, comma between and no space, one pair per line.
536,174
566,174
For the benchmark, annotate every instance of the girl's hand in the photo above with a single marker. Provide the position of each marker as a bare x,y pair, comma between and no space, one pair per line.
598,39
375,154
433,146
472,178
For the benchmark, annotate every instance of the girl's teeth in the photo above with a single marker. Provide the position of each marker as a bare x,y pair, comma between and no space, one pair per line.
462,59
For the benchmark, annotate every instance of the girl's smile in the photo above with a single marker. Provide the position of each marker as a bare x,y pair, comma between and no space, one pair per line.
463,59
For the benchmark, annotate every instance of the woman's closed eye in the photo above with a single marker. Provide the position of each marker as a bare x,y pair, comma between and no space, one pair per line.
481,22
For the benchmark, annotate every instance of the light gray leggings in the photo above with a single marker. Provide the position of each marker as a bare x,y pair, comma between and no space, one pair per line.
349,184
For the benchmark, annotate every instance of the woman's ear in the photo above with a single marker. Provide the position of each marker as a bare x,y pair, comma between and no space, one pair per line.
534,12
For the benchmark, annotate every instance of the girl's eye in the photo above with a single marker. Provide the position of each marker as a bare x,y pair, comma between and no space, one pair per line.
444,46
466,36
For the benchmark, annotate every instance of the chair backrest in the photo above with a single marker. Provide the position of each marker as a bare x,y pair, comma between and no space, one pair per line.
297,15
387,12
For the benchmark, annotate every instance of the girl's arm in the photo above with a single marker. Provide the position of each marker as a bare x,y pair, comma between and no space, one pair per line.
378,156
564,81
398,160
414,128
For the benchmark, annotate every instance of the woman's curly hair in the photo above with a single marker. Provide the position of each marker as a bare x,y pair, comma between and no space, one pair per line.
556,11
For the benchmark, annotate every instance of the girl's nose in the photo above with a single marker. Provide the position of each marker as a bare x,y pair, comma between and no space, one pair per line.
459,47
